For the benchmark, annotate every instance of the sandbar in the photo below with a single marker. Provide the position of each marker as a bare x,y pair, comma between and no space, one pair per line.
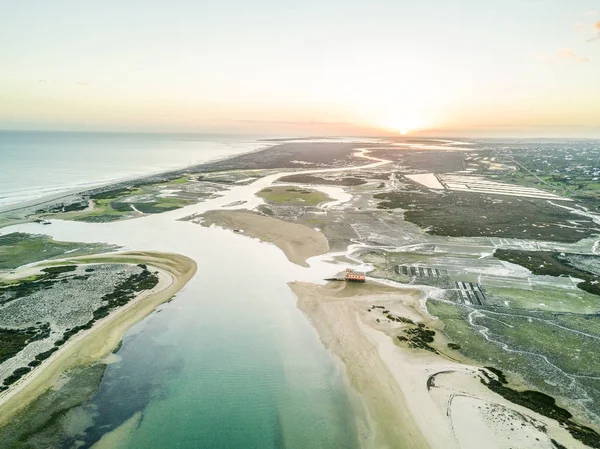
298,242
89,346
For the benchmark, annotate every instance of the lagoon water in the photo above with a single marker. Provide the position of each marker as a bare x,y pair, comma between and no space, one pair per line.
34,163
229,363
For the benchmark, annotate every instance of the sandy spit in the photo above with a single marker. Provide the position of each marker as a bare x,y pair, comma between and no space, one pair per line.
298,242
92,345
417,399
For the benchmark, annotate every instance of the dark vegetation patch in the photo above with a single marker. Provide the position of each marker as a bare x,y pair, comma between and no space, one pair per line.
464,214
398,319
18,249
16,375
548,263
69,207
103,218
454,346
60,269
266,210
544,405
557,444
310,179
10,292
110,194
499,374
123,292
12,341
281,156
419,337
121,206
155,208
431,161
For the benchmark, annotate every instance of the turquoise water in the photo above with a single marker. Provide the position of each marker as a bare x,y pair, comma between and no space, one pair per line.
238,369
35,164
231,362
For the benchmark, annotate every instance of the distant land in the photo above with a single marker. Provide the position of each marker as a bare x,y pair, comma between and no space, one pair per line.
199,294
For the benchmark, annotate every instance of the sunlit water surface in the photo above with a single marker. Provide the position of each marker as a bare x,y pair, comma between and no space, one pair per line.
231,362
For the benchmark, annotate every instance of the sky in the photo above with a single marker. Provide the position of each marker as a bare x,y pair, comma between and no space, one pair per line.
510,68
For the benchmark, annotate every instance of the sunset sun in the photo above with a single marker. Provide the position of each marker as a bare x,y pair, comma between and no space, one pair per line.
401,124
401,127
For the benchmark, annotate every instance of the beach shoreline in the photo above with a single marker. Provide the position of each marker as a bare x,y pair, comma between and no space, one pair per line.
416,398
94,344
69,193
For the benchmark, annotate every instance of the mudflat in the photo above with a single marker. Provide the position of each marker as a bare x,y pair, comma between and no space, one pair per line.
298,242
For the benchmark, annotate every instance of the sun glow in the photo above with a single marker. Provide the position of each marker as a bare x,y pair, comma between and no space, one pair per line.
400,124
402,127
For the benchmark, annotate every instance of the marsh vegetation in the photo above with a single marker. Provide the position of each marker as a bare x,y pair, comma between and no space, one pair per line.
41,313
293,196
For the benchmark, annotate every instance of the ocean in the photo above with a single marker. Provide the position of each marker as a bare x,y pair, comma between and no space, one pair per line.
34,164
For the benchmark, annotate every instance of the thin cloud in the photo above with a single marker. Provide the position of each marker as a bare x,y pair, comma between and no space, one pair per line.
51,81
591,29
568,54
596,28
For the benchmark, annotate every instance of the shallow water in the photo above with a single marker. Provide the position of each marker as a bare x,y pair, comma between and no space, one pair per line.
231,362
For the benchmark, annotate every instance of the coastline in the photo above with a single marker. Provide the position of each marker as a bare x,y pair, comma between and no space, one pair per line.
66,193
340,332
94,344
413,396
416,399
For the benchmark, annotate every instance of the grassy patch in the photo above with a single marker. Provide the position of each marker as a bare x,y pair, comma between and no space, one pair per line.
121,295
23,288
119,204
293,195
544,405
162,205
181,180
574,352
12,341
311,179
110,194
547,263
543,298
546,349
18,249
464,214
